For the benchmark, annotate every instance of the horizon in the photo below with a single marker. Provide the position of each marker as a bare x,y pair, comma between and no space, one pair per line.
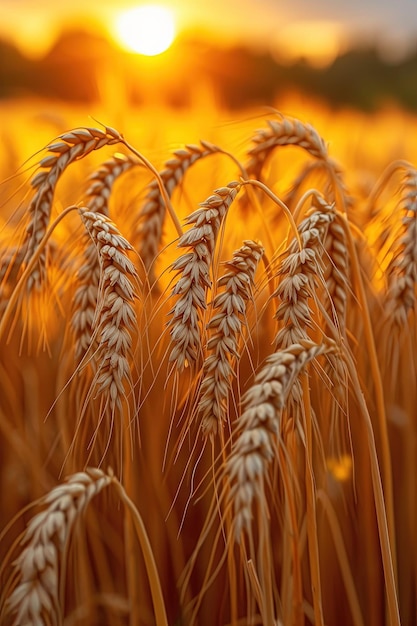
284,54
319,36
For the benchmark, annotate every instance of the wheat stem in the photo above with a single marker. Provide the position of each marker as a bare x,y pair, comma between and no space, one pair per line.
280,203
380,503
343,558
311,508
151,569
163,191
379,392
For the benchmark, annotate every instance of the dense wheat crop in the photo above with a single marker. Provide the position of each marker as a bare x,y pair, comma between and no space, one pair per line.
208,383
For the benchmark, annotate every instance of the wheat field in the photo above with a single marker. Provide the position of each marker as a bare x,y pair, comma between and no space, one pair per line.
208,381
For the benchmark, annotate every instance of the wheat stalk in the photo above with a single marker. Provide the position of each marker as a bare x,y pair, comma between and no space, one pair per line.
35,599
290,131
152,214
259,425
328,220
86,294
402,269
228,318
115,315
103,179
68,147
10,264
299,273
193,271
85,299
337,272
285,132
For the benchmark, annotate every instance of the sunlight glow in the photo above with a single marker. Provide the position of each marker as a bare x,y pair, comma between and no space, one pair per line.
340,468
318,42
148,30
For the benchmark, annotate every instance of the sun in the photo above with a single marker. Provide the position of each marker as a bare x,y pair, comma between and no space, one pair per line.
148,29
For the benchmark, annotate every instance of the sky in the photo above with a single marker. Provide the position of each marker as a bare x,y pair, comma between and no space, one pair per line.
297,25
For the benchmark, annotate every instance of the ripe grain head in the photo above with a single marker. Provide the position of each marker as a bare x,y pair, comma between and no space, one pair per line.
260,426
115,316
69,147
34,599
152,215
225,327
193,271
284,132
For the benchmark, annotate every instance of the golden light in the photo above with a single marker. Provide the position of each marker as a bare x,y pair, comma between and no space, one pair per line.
148,29
318,42
340,468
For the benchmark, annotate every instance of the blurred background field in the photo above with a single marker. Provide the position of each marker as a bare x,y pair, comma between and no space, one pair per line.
365,144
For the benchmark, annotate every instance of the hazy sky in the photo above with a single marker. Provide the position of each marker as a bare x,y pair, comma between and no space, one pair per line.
394,21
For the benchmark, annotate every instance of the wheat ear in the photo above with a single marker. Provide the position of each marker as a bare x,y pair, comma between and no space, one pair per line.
335,252
284,132
225,326
86,295
299,273
69,147
115,315
35,600
259,425
402,269
102,181
85,299
290,131
152,215
10,264
193,272
337,272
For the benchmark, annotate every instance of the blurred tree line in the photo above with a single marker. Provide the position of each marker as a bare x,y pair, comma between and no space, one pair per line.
81,64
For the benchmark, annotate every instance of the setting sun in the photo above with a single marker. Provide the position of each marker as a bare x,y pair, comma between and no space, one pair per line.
148,30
